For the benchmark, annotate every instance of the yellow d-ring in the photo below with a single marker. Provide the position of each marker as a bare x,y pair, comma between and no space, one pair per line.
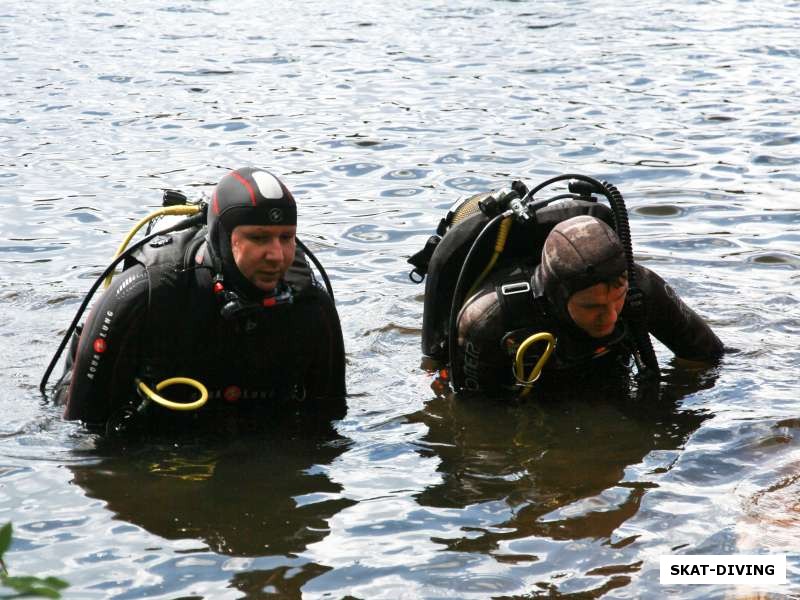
537,369
169,403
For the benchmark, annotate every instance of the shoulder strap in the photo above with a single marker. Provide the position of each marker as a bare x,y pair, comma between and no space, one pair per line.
299,275
515,294
168,261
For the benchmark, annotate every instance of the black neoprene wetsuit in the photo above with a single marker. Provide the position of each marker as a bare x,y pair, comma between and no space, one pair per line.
488,337
163,320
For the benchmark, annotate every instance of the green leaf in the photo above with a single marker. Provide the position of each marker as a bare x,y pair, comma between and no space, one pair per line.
55,583
42,593
34,586
25,586
21,583
5,538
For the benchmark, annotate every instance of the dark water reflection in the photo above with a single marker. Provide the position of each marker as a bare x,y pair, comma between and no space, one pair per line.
265,497
546,455
558,468
198,491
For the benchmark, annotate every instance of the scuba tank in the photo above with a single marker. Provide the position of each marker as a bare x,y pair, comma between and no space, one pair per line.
508,227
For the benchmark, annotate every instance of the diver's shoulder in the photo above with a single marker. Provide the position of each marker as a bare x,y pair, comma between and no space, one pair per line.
481,312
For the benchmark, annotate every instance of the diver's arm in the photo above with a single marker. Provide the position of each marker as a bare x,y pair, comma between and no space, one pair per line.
105,362
674,324
480,358
325,376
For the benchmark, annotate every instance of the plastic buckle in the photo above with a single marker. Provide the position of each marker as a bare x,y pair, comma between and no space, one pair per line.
520,287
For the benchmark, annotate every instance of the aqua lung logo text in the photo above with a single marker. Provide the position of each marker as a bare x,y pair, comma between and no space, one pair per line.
234,394
99,345
471,367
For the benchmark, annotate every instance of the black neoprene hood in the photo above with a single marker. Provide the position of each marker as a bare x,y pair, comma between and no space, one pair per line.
251,197
247,196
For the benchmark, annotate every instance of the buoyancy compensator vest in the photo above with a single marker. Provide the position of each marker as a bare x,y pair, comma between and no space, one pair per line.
168,253
490,230
172,264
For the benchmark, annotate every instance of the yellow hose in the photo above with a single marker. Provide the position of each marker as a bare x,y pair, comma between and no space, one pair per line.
186,209
160,400
519,364
499,245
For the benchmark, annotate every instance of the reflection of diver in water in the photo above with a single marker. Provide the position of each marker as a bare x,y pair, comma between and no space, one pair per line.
249,497
543,457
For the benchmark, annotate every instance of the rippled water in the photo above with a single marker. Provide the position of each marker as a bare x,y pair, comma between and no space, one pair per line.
378,117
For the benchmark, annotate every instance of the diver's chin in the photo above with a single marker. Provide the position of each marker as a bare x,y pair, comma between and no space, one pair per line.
266,284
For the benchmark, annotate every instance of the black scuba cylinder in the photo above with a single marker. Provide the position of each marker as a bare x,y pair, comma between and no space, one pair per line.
525,241
458,300
442,274
445,253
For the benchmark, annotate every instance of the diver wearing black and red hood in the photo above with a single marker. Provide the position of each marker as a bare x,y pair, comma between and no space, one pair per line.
233,305
246,204
578,293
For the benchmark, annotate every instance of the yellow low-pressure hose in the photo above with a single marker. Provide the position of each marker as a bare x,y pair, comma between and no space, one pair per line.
186,209
499,245
519,362
160,400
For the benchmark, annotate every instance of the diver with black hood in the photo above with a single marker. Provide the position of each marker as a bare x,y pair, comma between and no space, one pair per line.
579,292
233,308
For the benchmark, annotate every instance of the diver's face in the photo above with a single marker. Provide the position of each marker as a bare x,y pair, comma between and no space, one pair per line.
263,253
596,309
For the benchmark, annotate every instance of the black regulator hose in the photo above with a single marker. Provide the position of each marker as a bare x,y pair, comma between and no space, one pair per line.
591,180
193,221
319,266
455,307
635,295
